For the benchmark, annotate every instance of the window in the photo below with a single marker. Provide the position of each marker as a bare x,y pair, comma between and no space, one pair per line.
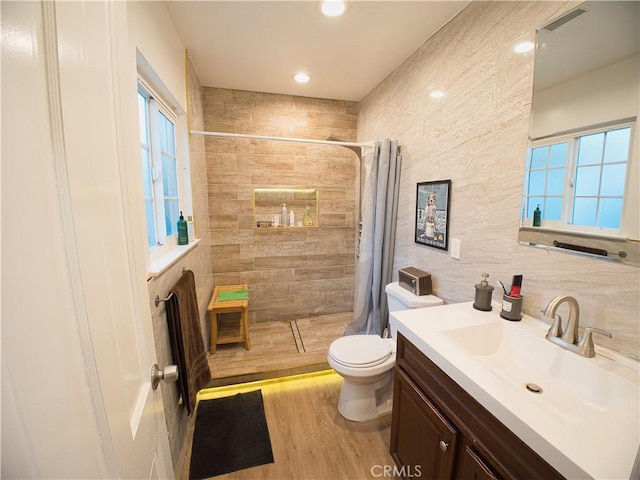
159,167
578,182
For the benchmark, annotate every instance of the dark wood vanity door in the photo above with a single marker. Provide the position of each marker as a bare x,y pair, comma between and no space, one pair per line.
474,468
423,441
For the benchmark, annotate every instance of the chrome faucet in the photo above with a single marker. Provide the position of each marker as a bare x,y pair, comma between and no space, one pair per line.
569,338
570,335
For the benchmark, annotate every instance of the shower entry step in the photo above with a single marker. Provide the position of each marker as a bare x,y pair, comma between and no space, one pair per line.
228,315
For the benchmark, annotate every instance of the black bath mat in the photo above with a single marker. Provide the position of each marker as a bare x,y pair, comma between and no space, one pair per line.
231,433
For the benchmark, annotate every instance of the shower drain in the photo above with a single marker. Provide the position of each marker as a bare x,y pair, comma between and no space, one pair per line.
532,387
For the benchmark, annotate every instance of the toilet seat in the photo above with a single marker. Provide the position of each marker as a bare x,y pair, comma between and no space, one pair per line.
366,362
361,351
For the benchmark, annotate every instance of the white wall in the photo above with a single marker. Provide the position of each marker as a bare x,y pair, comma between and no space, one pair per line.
612,94
151,31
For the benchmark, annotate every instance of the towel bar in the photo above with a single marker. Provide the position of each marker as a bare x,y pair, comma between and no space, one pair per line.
594,251
157,300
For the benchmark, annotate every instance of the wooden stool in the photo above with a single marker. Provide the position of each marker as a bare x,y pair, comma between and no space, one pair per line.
217,307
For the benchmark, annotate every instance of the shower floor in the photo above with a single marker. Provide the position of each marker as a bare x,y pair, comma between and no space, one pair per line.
278,348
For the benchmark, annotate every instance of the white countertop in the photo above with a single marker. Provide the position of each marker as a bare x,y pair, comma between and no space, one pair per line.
586,423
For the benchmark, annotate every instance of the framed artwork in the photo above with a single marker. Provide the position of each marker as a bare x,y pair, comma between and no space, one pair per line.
432,214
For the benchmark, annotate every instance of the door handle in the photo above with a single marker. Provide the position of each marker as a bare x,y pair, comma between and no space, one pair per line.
169,374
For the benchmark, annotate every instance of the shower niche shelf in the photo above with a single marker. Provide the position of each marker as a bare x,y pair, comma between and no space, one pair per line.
267,205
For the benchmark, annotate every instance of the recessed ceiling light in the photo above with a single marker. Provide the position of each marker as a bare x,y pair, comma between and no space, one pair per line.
333,8
301,77
524,47
437,94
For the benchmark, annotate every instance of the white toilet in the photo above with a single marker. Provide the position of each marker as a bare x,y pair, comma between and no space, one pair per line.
365,362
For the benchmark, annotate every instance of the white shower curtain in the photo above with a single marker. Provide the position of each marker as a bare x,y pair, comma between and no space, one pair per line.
380,182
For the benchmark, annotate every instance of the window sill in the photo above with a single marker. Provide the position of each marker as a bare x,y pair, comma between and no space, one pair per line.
575,233
163,262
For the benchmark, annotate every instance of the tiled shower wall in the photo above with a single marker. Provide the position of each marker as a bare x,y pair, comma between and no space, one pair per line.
291,272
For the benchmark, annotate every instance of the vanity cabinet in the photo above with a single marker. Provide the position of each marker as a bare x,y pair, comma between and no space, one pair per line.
424,442
439,431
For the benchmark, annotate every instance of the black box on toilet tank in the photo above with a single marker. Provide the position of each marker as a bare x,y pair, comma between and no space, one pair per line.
414,280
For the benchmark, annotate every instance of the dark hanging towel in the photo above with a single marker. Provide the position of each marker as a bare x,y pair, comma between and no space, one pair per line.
186,340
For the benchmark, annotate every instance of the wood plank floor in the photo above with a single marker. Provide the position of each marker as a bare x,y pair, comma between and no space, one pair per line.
278,349
309,438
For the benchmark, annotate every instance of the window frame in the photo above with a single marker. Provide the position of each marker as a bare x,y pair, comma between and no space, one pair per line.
156,103
570,177
148,183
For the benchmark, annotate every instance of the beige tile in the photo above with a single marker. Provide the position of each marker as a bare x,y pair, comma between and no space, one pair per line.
345,259
230,264
274,262
279,262
223,221
477,136
222,192
316,273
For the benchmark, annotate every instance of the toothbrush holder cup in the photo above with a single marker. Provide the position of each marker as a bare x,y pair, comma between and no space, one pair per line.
511,308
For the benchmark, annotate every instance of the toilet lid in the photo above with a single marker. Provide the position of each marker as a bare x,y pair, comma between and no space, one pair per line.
360,350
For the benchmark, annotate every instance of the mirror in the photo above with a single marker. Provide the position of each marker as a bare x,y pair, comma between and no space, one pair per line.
582,175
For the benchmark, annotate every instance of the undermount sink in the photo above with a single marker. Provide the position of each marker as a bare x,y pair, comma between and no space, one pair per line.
580,414
565,384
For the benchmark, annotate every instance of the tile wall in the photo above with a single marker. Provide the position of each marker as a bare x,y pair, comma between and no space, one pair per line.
291,272
476,135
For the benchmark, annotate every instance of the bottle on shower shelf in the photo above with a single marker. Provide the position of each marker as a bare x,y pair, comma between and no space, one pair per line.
308,217
284,218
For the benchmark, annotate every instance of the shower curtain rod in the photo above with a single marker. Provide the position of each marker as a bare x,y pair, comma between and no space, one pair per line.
283,139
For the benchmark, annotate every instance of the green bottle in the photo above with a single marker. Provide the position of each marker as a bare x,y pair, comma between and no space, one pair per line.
537,215
183,234
308,218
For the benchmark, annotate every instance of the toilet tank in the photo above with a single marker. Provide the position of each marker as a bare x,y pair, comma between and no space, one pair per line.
399,298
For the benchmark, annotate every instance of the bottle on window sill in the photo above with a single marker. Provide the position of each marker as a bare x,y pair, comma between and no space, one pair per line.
183,234
191,233
537,215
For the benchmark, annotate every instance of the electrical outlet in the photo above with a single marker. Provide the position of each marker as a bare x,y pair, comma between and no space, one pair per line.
455,248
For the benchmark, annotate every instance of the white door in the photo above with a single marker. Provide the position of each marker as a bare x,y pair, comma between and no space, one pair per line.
77,340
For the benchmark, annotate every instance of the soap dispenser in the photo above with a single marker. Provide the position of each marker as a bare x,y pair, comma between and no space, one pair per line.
183,234
537,215
484,292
